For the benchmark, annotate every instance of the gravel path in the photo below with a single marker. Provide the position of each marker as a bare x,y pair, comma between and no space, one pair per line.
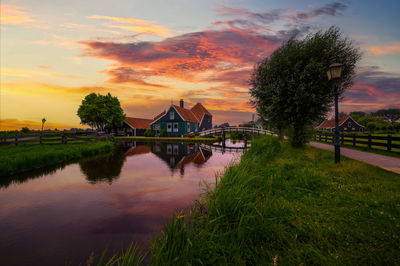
385,162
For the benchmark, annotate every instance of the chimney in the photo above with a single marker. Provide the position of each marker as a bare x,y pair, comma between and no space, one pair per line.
181,103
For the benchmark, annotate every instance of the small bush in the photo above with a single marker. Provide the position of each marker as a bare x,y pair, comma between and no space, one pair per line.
149,133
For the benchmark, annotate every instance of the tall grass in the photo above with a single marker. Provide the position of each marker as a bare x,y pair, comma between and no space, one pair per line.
288,206
24,157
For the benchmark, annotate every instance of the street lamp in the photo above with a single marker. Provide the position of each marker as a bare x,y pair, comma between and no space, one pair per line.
334,74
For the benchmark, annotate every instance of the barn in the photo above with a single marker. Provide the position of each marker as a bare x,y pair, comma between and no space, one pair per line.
346,124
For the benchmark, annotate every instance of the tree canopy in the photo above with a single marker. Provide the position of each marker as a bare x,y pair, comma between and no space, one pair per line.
101,112
290,88
391,115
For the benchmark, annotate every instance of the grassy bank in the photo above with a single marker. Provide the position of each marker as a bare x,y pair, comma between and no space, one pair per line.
170,139
24,157
288,206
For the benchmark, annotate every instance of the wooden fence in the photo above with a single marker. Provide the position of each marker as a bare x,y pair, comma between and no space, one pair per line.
51,139
386,142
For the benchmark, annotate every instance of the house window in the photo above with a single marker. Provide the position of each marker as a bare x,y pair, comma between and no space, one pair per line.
349,124
176,149
176,128
172,115
157,127
169,149
188,127
197,127
169,127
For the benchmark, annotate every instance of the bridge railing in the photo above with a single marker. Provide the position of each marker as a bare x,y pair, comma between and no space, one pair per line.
247,130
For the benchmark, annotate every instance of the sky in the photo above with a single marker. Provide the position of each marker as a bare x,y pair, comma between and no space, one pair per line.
151,53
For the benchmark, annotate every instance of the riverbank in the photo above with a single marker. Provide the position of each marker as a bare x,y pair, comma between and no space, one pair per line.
288,206
25,157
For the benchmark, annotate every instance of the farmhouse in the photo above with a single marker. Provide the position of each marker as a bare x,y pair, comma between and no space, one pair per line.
178,120
133,126
346,124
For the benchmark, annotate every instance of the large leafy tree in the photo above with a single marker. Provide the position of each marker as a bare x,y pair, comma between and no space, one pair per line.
391,115
290,88
101,112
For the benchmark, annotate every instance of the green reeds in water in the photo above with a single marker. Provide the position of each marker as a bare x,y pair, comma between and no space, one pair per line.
132,256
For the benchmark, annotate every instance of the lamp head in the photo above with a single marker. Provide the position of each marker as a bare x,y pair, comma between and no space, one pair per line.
334,71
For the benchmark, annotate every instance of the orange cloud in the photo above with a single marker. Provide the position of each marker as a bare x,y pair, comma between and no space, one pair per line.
14,124
385,49
135,25
13,15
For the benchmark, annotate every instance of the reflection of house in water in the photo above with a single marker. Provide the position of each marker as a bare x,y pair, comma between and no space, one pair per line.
178,155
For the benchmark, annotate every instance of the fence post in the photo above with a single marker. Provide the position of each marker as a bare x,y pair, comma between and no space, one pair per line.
65,139
389,143
40,139
62,138
354,139
369,141
342,139
320,137
16,140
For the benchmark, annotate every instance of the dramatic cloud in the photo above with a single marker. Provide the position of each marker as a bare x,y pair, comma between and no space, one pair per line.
330,9
385,49
13,15
373,89
213,53
136,25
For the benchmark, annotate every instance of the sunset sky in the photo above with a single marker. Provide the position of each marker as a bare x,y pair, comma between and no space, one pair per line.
148,53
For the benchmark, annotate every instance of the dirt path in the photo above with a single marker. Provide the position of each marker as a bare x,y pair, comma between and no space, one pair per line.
385,162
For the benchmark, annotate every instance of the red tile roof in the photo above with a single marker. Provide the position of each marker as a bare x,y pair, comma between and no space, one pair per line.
199,110
186,114
331,122
159,115
138,150
138,122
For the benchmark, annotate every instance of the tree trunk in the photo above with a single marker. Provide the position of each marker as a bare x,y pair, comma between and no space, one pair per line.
280,133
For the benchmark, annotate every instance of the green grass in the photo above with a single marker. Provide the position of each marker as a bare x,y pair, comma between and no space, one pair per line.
24,157
177,139
292,207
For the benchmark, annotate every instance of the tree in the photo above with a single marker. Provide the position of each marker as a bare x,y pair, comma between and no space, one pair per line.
25,130
342,114
290,88
391,115
101,112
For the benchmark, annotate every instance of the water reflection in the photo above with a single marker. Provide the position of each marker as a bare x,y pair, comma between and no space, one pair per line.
107,201
105,168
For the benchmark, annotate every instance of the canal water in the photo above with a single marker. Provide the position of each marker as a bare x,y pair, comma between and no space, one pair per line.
60,215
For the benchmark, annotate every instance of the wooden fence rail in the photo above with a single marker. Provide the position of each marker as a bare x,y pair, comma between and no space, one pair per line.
369,140
51,139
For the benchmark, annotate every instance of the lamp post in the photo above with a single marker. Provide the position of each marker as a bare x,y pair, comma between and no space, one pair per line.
334,74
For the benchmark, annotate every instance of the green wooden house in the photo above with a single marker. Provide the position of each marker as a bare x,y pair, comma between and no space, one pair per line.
177,121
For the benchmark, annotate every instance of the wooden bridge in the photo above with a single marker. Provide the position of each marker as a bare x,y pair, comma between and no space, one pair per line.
222,148
238,130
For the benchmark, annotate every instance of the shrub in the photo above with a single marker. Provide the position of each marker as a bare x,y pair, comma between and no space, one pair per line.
149,133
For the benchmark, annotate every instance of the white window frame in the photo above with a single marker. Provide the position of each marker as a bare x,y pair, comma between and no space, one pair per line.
188,127
169,127
196,127
176,129
172,115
